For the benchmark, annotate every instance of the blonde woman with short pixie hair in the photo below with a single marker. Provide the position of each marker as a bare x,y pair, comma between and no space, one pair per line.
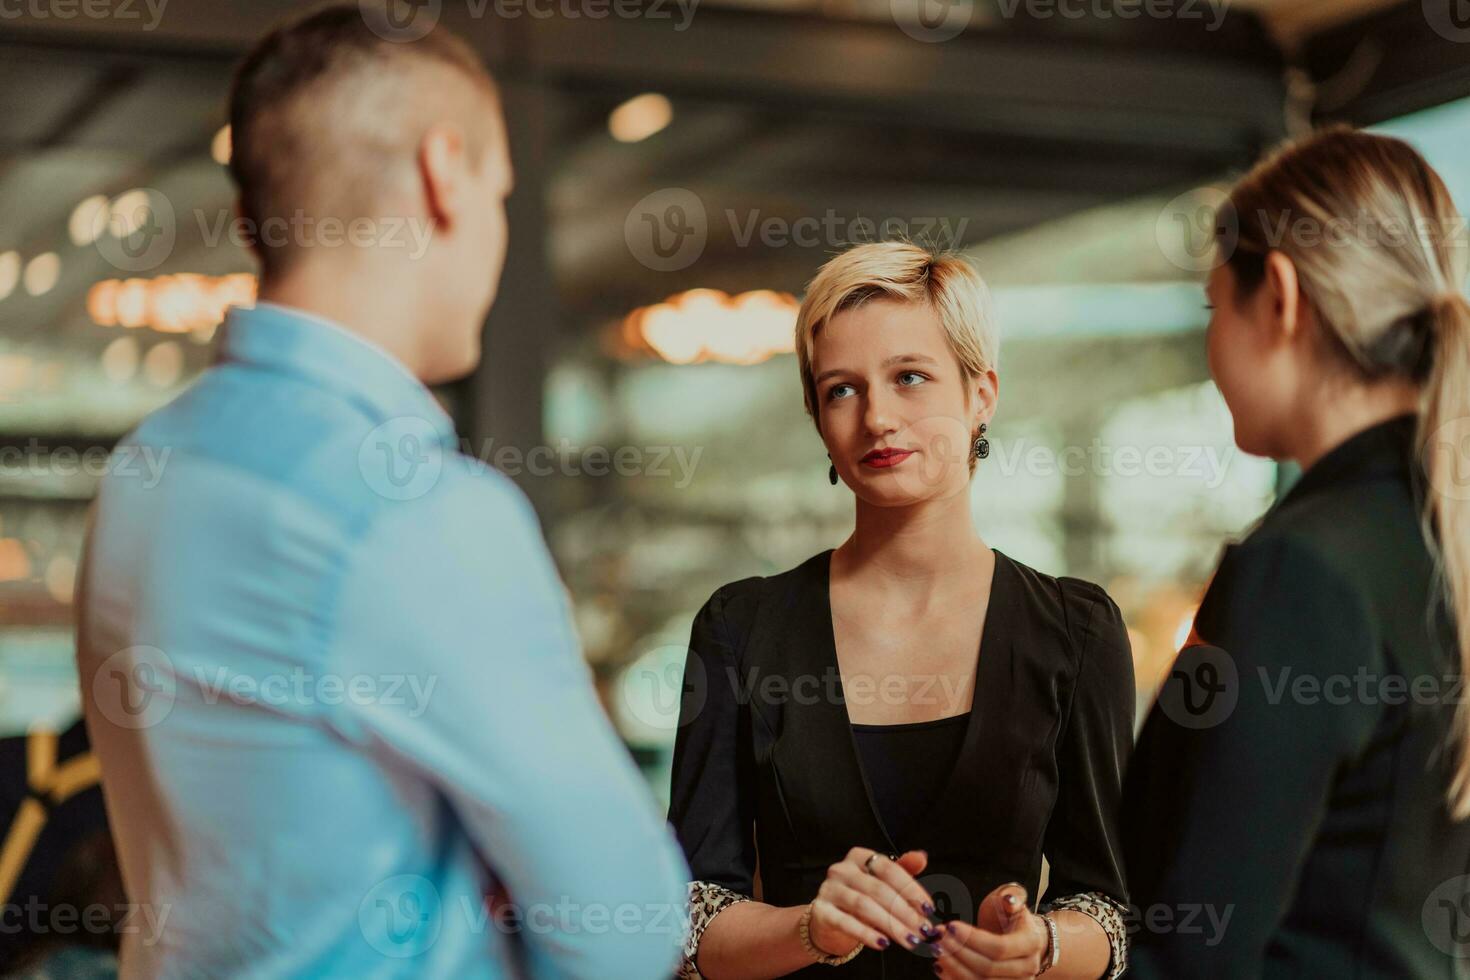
878,748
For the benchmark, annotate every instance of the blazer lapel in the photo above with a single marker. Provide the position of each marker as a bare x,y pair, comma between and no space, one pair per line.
814,753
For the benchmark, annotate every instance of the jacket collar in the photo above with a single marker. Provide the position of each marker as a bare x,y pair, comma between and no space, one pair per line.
1384,449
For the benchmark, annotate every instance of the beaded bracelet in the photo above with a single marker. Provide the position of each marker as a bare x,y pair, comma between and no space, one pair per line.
1053,950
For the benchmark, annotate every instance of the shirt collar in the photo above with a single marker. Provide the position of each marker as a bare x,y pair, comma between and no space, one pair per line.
286,339
1383,449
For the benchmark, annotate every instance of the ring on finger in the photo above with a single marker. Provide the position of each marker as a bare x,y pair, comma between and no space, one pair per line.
868,864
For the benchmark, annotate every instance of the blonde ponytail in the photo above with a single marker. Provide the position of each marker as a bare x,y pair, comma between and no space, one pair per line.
1392,298
1444,445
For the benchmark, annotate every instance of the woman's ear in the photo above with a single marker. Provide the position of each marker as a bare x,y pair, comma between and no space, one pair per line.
1283,293
986,393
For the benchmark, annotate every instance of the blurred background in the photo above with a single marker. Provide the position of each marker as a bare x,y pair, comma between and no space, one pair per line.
682,170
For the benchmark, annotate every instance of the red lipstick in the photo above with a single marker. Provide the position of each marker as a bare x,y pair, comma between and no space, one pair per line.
887,457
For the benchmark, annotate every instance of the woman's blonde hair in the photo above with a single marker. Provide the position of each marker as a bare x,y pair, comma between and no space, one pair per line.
909,273
1380,253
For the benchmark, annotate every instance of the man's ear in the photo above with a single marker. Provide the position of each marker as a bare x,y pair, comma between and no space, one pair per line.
243,222
441,160
1283,292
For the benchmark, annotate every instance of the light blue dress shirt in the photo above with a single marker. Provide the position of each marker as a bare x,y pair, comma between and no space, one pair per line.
330,673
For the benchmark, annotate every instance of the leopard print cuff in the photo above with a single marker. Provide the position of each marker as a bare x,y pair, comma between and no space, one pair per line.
706,900
1106,913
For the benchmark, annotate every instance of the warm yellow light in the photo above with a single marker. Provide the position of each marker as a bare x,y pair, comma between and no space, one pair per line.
709,325
130,211
222,147
163,365
132,303
640,117
61,578
15,564
42,273
102,303
182,303
120,359
88,220
9,272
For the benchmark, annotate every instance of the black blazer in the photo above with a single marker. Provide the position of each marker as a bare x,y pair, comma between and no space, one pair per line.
765,762
1284,777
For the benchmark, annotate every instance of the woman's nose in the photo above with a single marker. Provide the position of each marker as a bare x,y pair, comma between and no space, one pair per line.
879,415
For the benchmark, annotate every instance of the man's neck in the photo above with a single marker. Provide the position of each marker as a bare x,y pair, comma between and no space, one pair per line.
367,313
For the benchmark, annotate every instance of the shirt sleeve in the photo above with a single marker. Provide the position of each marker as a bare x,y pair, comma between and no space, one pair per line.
1232,775
458,588
711,799
1083,845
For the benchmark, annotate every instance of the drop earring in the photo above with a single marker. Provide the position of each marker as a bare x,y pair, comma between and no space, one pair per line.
982,444
831,471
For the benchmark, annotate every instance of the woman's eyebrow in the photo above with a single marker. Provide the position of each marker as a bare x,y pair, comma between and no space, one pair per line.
909,359
887,362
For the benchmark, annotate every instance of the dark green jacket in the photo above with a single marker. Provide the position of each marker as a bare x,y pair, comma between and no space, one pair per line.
1285,810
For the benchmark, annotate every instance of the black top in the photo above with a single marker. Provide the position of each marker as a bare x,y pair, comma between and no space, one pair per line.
908,765
1289,776
765,761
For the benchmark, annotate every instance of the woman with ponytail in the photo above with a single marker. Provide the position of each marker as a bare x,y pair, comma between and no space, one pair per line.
1296,805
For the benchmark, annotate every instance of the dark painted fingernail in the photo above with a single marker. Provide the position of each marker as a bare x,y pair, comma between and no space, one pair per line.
949,928
882,942
1011,900
927,909
929,931
914,940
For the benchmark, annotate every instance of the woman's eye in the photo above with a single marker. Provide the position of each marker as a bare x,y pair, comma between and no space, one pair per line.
911,374
837,391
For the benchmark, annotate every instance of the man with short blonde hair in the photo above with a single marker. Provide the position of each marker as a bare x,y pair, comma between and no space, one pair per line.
326,661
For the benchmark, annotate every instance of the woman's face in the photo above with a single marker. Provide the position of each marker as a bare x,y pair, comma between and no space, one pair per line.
895,411
1253,363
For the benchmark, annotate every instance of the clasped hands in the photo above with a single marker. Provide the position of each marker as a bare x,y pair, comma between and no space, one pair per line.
870,899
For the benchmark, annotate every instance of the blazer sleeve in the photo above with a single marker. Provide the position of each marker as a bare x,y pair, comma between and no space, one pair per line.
1083,845
711,795
1231,778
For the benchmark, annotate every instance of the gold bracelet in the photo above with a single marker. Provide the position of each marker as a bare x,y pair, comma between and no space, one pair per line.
803,929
